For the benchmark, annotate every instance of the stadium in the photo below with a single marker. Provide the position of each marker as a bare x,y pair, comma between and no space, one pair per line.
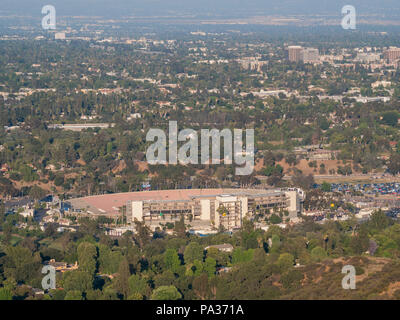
201,207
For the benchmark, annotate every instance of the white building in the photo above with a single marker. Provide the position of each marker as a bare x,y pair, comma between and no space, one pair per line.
59,36
310,55
28,212
384,84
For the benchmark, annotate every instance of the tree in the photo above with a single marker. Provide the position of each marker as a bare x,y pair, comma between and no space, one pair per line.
171,260
93,295
239,255
2,213
143,233
138,285
275,219
135,296
222,258
201,286
180,227
77,280
193,251
166,278
7,233
109,260
198,267
59,181
292,279
275,243
37,193
51,230
166,293
109,294
390,118
303,181
57,294
291,159
326,187
73,295
379,220
122,281
21,264
275,178
360,242
323,123
318,254
394,164
248,235
5,294
285,261
210,266
87,254
88,226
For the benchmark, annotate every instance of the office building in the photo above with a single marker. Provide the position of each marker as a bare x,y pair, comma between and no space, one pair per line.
392,54
295,53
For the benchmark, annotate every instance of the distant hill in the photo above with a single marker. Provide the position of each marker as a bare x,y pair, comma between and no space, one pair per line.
376,278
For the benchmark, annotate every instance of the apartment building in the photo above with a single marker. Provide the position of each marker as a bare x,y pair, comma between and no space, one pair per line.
295,53
392,54
306,55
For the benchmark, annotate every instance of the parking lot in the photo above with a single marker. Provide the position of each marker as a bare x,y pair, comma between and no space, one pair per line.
366,188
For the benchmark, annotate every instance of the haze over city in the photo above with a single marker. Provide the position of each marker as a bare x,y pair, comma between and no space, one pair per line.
214,8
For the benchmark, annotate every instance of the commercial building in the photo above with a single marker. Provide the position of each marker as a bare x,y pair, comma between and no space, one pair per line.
295,53
59,36
392,54
383,84
368,57
306,55
310,55
252,63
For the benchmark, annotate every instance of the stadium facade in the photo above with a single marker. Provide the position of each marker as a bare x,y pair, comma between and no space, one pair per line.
206,207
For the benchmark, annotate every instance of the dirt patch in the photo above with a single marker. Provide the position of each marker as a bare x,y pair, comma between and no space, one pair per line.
120,167
306,169
142,165
393,287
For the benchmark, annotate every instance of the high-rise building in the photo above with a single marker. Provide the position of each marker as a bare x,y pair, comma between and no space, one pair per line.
306,55
392,54
252,63
295,53
309,55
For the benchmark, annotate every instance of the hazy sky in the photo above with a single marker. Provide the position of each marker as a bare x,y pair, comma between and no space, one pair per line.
120,8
